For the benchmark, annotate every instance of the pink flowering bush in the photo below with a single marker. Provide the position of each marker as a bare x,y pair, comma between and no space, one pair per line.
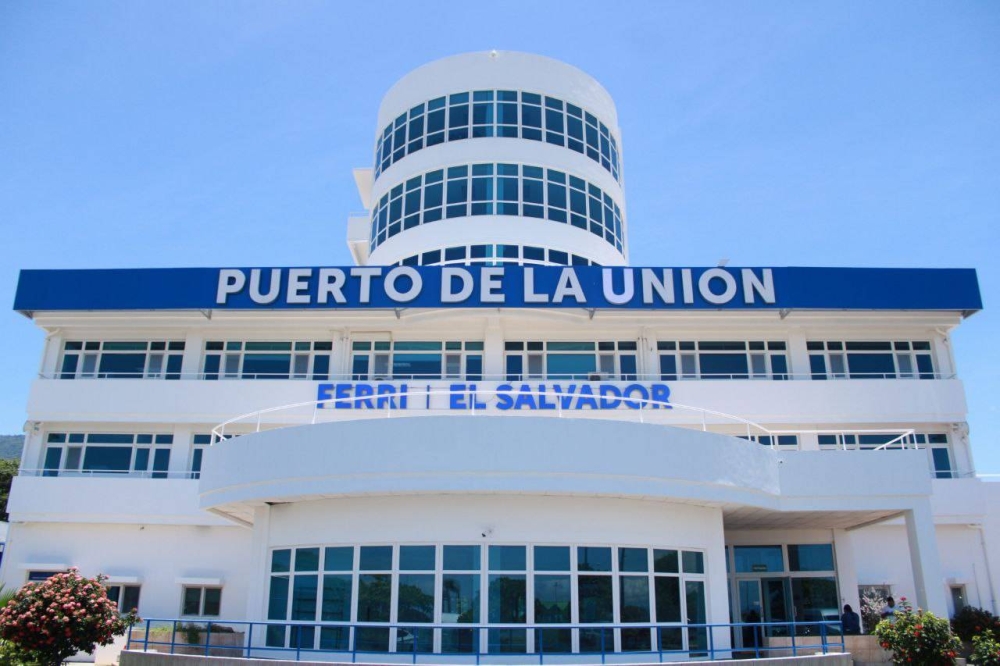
47,622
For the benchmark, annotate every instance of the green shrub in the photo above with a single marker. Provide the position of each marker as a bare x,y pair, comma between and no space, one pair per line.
971,621
985,649
918,638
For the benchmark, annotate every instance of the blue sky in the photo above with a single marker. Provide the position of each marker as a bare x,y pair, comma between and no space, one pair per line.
772,133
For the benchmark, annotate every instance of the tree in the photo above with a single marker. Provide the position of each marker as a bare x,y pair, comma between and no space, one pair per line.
8,470
47,622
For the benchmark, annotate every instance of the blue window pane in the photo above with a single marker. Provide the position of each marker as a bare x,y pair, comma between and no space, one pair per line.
942,463
336,598
141,460
306,559
376,558
281,560
107,458
590,558
161,462
758,559
416,366
122,366
551,558
304,597
461,558
668,367
779,366
266,366
515,368
871,366
811,557
817,366
508,558
339,558
570,366
633,559
416,558
723,366
277,606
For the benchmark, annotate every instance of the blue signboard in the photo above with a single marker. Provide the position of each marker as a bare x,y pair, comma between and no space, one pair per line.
388,287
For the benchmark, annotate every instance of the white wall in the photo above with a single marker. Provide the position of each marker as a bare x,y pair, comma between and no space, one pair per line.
157,556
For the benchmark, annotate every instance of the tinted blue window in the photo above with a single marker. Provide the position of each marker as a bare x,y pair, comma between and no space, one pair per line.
281,560
277,606
340,558
758,558
811,557
416,558
817,366
723,366
871,366
122,366
161,462
376,558
589,558
107,458
461,558
515,368
551,558
266,366
570,366
942,463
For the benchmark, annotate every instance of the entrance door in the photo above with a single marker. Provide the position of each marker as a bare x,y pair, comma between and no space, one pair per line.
776,609
751,638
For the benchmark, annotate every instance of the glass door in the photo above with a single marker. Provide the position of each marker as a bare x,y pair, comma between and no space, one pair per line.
750,611
776,609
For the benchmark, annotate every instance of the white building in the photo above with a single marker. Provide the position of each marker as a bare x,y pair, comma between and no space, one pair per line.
494,421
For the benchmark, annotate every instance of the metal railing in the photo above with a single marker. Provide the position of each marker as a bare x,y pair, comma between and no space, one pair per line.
641,409
504,377
107,473
424,643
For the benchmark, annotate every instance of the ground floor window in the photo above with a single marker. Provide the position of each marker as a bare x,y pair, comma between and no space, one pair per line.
126,597
377,597
201,601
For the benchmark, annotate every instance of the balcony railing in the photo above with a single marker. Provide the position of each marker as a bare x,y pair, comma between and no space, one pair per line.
639,409
421,643
584,376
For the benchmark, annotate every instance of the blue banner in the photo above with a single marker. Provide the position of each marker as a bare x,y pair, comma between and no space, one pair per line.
388,287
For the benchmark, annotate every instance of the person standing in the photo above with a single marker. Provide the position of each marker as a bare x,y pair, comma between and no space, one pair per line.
851,621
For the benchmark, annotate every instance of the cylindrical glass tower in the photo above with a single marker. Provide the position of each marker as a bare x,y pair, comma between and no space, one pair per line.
498,157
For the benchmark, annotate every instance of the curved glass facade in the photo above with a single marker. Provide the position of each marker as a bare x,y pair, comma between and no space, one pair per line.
498,113
385,598
492,255
497,189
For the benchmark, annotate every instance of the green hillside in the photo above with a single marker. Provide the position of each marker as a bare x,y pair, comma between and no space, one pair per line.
10,446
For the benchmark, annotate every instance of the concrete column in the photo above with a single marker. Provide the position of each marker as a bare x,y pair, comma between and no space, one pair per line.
649,362
493,350
50,356
717,586
925,562
847,571
340,357
808,441
191,361
257,595
180,452
798,355
944,362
